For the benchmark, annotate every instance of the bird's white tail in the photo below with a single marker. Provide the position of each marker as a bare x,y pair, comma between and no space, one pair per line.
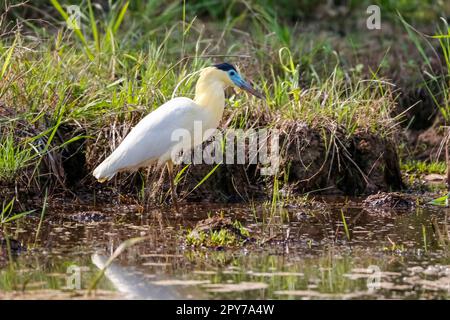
103,172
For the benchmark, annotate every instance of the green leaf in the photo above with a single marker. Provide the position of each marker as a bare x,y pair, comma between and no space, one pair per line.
206,177
78,32
120,17
94,26
442,201
8,58
18,216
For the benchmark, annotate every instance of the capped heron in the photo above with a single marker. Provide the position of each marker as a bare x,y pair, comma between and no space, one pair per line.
150,141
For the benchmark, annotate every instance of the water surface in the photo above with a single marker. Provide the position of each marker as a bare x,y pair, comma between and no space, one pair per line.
298,253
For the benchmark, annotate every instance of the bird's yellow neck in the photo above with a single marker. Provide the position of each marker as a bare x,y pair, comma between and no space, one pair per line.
209,92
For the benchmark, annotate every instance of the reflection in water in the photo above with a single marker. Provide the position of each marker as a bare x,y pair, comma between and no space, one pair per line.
132,283
300,253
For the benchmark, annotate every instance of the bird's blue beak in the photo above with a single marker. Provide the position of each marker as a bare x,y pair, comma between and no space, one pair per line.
241,83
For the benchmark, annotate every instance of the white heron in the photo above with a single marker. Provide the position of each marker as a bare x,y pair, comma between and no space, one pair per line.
150,141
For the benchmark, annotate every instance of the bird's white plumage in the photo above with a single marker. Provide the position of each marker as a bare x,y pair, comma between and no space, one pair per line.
151,139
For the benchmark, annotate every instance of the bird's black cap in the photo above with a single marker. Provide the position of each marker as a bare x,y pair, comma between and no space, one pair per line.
225,66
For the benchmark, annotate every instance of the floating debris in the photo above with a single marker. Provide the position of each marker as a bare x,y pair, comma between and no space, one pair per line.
275,274
176,282
235,287
308,294
88,216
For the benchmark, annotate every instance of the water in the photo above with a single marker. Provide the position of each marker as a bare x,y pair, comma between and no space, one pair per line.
299,253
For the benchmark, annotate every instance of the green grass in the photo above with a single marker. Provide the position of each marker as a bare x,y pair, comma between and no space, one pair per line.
27,275
7,215
423,167
218,238
344,222
13,158
432,76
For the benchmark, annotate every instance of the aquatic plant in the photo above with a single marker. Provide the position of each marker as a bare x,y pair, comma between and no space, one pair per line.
7,215
220,234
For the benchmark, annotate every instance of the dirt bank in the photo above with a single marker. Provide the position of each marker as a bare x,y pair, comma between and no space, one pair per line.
323,160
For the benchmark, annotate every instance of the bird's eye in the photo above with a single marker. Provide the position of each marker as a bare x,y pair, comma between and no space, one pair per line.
232,73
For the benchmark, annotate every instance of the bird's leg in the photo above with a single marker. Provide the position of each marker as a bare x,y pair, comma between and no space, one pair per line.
172,185
147,188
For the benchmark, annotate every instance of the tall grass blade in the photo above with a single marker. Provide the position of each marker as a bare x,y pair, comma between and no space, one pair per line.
77,31
7,62
94,27
120,17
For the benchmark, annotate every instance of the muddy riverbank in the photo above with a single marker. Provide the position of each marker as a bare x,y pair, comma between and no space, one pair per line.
322,160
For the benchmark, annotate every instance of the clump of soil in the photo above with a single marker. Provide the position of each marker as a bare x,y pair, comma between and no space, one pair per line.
391,200
364,163
429,142
215,223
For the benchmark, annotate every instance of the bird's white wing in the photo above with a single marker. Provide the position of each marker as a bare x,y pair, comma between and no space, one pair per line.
151,138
